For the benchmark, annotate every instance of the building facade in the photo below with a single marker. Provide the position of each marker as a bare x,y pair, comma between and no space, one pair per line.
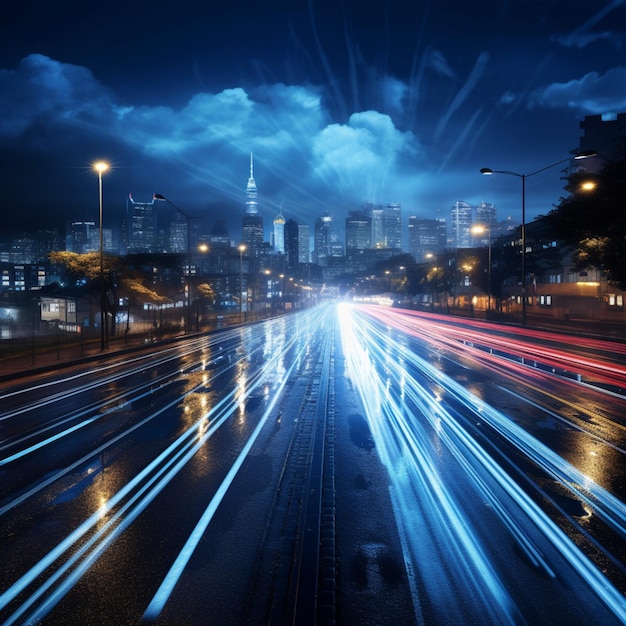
279,234
322,249
141,226
461,220
426,237
358,231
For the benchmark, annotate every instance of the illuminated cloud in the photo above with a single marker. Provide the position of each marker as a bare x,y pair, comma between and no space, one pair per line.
286,125
340,102
394,93
44,90
358,156
594,93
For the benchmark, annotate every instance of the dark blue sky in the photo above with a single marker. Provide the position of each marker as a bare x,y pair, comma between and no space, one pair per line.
341,102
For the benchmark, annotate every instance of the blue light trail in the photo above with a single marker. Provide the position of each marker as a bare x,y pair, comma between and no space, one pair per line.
88,542
410,406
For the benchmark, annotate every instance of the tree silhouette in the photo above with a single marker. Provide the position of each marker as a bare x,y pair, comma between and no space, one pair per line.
592,224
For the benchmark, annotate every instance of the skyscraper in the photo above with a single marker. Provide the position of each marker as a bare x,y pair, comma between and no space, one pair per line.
141,226
376,215
426,236
486,214
178,234
461,224
296,243
279,234
78,235
252,221
323,241
358,231
304,255
386,226
486,217
291,243
392,226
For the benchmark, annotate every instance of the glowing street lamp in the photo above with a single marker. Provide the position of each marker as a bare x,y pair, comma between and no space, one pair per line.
479,229
488,172
158,196
101,167
588,185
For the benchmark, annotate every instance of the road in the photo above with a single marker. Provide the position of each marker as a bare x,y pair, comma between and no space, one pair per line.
345,464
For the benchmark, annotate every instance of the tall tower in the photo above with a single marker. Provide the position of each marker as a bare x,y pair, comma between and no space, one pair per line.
322,250
486,214
141,226
358,231
461,224
252,221
279,234
392,224
291,243
252,207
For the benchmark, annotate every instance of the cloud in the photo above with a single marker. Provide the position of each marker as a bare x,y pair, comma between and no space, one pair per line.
205,120
41,90
287,126
359,155
394,93
592,94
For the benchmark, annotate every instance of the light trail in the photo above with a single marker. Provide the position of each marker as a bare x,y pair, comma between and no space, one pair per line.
442,543
171,579
95,411
522,371
124,507
135,364
601,371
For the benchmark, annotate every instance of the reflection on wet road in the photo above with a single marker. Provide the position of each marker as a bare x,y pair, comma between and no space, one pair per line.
469,482
214,480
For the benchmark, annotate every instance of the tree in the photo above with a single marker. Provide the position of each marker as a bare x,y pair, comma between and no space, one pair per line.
121,279
592,224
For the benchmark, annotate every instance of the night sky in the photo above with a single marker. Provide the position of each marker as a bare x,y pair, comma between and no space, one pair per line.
341,102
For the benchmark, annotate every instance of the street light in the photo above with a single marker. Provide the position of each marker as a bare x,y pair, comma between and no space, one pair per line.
477,230
588,185
488,172
241,248
158,196
432,276
100,167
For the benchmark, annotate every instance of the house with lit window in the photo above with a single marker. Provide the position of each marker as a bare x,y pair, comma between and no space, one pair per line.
556,290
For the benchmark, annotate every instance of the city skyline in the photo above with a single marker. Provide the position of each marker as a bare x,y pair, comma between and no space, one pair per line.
141,231
341,103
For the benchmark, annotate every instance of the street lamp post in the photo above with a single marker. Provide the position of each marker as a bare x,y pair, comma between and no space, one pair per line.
158,196
241,249
478,229
488,172
100,167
